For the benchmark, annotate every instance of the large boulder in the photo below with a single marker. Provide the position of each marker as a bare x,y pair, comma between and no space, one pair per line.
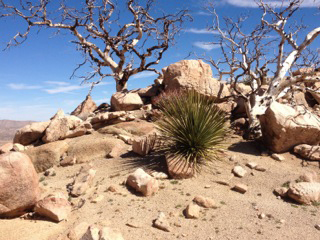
19,185
89,147
48,155
62,127
137,128
126,101
30,133
193,74
283,127
85,108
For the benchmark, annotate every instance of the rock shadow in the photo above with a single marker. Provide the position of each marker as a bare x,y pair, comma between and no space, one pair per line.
248,147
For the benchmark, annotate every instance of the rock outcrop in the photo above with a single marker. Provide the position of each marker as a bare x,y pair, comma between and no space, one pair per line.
19,185
30,133
48,155
193,74
62,127
126,101
85,108
283,127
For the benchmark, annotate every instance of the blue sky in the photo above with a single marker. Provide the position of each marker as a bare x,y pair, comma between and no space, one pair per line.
34,77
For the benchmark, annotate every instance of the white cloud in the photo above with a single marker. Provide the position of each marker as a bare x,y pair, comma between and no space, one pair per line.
205,45
65,89
21,86
201,31
144,75
202,13
273,3
57,83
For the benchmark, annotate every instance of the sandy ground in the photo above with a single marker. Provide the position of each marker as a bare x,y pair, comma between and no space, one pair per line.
235,218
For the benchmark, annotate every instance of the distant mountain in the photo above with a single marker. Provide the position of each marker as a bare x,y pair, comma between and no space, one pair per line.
8,128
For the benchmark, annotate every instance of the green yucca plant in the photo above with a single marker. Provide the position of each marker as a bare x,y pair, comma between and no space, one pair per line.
192,128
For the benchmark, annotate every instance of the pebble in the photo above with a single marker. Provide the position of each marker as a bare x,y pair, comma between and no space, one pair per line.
251,165
317,226
241,188
207,186
261,215
260,169
192,211
277,157
98,199
162,223
239,171
233,158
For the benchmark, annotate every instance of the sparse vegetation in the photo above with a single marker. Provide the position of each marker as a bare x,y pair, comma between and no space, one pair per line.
192,128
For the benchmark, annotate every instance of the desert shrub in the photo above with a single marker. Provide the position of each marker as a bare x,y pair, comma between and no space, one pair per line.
192,128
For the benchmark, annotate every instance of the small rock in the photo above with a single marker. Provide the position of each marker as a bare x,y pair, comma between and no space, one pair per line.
241,188
233,158
281,191
127,139
98,199
162,223
261,215
147,107
204,202
78,231
159,175
251,165
68,161
260,169
17,147
207,186
50,172
277,157
83,180
282,221
133,225
192,211
239,171
143,182
112,188
310,176
317,226
55,207
222,182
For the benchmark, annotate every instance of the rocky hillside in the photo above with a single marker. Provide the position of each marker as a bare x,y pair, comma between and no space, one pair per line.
8,129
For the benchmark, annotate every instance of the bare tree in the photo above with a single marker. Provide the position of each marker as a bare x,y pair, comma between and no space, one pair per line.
266,55
112,49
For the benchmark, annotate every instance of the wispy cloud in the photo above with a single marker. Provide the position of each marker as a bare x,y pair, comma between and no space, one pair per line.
202,13
272,3
57,83
65,89
201,31
21,86
144,75
205,45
